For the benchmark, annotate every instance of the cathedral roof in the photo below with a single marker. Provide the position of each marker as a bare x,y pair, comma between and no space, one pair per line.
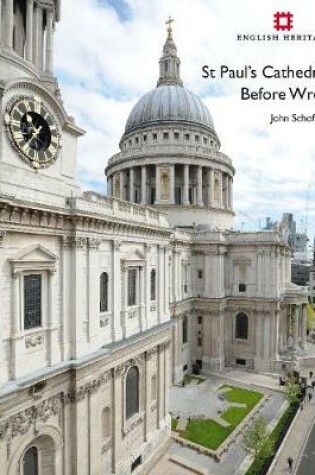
169,101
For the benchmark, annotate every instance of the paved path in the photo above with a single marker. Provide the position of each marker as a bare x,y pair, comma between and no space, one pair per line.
294,443
233,459
307,462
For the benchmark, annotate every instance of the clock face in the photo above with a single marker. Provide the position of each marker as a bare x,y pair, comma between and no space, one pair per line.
33,131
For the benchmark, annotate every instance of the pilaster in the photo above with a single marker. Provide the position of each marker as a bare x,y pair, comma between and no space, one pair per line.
116,292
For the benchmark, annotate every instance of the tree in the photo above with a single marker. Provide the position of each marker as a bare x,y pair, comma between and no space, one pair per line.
256,439
292,390
310,317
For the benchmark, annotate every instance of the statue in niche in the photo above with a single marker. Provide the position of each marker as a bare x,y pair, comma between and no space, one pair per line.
165,182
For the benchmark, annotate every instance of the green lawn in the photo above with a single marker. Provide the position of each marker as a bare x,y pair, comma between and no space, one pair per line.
188,378
209,433
174,424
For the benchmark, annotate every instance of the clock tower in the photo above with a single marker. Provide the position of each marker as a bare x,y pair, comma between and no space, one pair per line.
38,138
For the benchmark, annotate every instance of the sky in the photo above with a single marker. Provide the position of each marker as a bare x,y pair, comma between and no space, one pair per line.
106,58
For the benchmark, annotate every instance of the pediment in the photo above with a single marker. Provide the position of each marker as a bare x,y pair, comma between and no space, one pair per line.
135,255
35,253
34,258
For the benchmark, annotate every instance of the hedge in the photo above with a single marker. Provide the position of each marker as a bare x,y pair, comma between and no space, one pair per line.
263,460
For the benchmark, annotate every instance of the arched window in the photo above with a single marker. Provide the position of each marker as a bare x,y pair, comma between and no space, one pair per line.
153,284
132,392
185,329
241,326
104,292
30,462
106,422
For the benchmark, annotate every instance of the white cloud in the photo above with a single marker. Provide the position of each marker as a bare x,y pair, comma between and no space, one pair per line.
105,65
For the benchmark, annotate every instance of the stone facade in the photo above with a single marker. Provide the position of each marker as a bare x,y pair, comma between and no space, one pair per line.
106,299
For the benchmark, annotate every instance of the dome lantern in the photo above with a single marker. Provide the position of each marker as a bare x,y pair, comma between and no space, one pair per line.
169,62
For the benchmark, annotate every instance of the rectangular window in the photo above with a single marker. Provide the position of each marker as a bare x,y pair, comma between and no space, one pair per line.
205,141
178,196
186,136
176,135
32,301
144,138
199,274
154,136
200,320
165,136
196,138
132,287
137,140
242,288
152,196
199,341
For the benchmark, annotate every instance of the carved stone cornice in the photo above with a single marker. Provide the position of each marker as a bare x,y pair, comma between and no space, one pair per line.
93,243
106,446
74,242
80,392
37,339
133,424
149,353
20,423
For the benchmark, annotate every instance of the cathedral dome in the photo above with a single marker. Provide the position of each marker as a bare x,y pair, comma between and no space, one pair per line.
169,102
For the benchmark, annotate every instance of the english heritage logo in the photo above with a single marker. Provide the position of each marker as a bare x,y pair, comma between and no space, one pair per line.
283,23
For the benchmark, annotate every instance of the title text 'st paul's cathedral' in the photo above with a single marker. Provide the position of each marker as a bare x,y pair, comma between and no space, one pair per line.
106,300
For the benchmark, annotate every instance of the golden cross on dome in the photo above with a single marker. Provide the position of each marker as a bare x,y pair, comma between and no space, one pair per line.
169,23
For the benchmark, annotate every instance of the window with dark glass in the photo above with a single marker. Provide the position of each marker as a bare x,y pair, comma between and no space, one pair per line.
153,284
200,320
30,462
176,135
104,292
165,135
199,274
132,392
32,301
241,326
132,287
199,341
242,288
178,196
185,329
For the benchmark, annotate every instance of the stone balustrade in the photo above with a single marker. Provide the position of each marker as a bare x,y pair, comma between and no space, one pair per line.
93,203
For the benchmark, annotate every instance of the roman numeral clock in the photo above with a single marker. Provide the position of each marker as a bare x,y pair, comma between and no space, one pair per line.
33,131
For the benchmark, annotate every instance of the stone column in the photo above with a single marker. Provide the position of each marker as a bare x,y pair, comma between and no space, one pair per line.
186,185
231,193
40,33
54,347
116,292
35,36
131,185
16,324
9,23
110,186
1,32
304,325
166,283
157,184
199,186
210,187
117,409
143,185
122,186
148,357
296,327
49,41
160,412
147,285
142,280
172,184
221,188
167,372
124,300
29,30
160,296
